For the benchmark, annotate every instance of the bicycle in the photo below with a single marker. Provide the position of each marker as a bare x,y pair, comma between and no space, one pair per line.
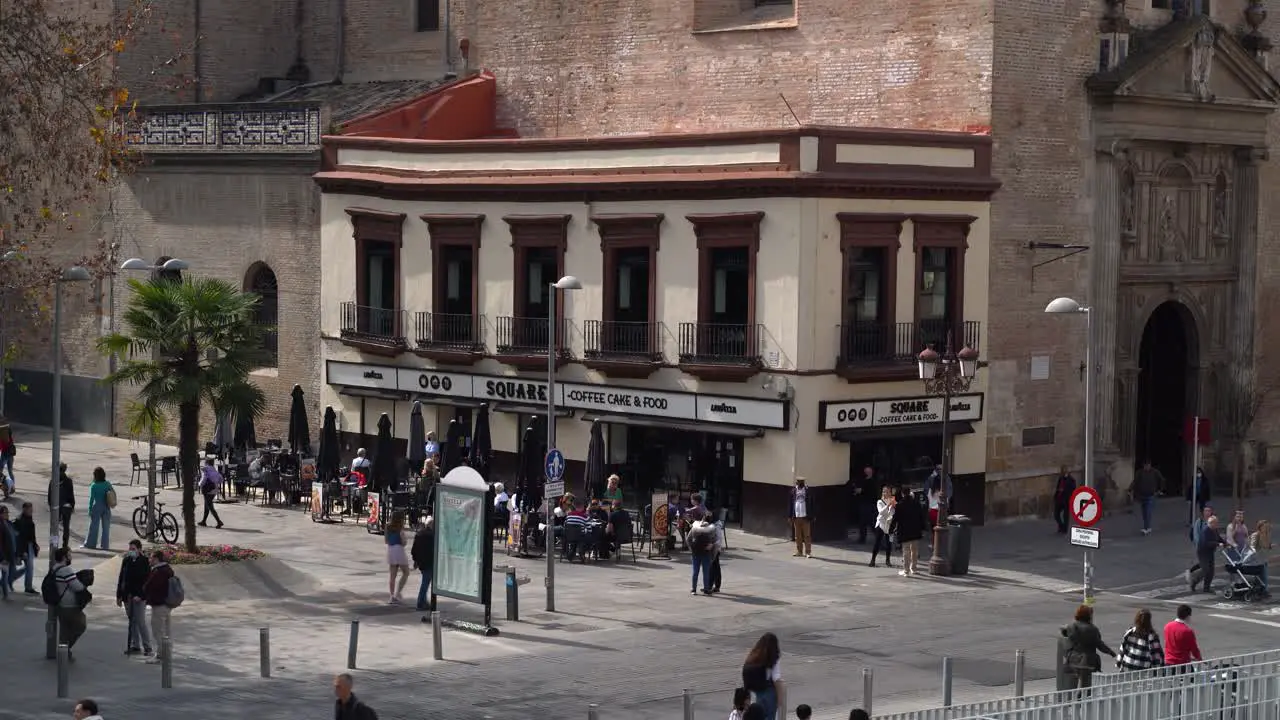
166,523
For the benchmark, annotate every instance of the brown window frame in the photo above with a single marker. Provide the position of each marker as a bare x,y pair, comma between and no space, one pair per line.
949,232
871,230
725,230
628,232
370,226
453,231
424,19
536,231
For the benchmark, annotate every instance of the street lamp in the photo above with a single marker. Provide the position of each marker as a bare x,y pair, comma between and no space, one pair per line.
567,283
172,265
944,375
1067,306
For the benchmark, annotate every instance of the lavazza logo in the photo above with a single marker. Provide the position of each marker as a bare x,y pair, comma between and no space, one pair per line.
724,409
372,375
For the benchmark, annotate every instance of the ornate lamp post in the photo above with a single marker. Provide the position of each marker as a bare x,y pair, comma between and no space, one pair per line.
945,375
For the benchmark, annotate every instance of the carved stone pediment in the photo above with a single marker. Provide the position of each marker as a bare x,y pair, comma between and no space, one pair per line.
1190,61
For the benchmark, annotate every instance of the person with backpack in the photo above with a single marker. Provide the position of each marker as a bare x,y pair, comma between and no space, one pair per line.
702,542
134,570
63,589
102,498
761,673
210,481
162,592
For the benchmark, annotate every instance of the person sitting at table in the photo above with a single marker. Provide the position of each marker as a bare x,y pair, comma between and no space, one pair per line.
576,518
501,513
612,492
597,513
431,447
697,510
361,463
617,518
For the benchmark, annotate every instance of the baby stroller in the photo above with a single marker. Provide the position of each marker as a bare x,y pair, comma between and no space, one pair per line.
1246,578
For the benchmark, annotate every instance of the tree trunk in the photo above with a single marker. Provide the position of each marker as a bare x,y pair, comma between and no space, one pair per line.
189,464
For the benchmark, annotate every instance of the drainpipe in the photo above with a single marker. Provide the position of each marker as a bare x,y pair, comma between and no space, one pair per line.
448,43
342,42
337,75
195,53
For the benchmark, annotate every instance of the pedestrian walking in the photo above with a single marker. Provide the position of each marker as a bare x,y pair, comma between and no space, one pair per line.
1084,641
1140,649
883,526
8,449
67,593
131,595
1062,499
28,548
1207,545
8,553
741,696
162,592
66,502
348,706
86,709
908,527
1180,645
102,499
801,513
1237,532
1260,544
397,558
864,501
716,551
424,553
762,673
210,481
1146,485
1200,492
702,544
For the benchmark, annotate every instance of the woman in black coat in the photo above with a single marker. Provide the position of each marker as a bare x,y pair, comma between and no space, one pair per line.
1084,641
908,528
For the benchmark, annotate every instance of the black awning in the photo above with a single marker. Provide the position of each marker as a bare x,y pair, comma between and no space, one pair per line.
956,427
441,400
529,410
393,395
663,424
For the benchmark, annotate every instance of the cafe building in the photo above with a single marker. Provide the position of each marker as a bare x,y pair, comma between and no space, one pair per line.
735,289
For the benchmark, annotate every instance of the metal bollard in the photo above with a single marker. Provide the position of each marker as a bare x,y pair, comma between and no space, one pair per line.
437,641
593,712
64,661
264,652
866,689
513,595
166,663
1019,673
688,705
353,643
946,682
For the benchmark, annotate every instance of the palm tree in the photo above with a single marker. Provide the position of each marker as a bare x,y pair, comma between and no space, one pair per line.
187,342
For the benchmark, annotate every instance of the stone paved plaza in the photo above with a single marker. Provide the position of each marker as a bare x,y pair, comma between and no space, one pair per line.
628,637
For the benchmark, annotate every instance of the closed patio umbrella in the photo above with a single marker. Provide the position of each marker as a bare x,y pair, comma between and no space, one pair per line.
535,476
481,443
299,428
385,462
451,453
417,439
524,481
594,482
246,437
328,459
223,433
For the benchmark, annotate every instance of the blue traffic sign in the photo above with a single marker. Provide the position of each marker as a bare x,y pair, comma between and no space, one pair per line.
554,465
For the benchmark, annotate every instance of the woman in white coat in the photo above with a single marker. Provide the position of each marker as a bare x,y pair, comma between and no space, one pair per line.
885,507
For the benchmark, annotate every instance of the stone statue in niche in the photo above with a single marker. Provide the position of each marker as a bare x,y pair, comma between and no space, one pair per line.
1202,63
1168,229
1128,211
1221,225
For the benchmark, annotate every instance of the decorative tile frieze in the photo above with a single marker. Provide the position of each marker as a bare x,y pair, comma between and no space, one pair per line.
247,128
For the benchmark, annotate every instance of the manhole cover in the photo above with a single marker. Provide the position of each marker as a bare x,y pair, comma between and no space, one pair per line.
635,585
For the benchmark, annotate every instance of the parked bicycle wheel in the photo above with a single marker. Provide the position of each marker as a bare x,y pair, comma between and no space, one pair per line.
140,521
167,528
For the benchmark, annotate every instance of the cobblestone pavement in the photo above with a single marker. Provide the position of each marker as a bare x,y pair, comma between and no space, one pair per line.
628,637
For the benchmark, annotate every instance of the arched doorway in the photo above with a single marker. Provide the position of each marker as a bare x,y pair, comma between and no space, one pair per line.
1167,362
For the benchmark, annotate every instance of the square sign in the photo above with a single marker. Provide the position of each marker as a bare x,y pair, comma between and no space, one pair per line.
1085,537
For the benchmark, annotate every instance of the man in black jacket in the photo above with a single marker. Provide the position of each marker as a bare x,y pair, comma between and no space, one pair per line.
423,553
348,706
28,548
134,570
66,502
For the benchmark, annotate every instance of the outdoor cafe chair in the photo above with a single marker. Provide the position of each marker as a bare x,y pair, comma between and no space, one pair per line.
168,466
136,472
573,536
624,535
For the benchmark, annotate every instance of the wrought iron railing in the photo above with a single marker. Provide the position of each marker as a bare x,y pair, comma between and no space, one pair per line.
449,331
728,343
363,322
875,342
529,336
641,341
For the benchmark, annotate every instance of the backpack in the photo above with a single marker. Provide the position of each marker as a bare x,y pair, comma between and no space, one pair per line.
755,678
700,542
49,589
176,594
111,499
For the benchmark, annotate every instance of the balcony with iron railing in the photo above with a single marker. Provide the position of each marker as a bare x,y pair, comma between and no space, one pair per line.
728,352
449,338
623,349
871,351
373,329
522,341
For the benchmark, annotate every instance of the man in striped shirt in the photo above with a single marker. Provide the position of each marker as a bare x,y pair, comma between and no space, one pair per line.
575,519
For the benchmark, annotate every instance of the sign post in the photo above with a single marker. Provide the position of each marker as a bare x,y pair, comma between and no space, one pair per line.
553,466
1197,433
1086,510
463,563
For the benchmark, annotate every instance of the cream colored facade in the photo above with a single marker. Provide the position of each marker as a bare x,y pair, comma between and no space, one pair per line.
798,284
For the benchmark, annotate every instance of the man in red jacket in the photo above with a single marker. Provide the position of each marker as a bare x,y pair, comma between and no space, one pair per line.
155,592
1180,646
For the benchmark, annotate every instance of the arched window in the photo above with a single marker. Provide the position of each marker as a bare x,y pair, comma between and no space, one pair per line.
262,280
161,274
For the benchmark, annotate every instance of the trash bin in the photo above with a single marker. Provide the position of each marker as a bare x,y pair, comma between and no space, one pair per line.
1065,680
959,543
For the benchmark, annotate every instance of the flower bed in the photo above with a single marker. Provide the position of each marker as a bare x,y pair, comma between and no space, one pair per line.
209,554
